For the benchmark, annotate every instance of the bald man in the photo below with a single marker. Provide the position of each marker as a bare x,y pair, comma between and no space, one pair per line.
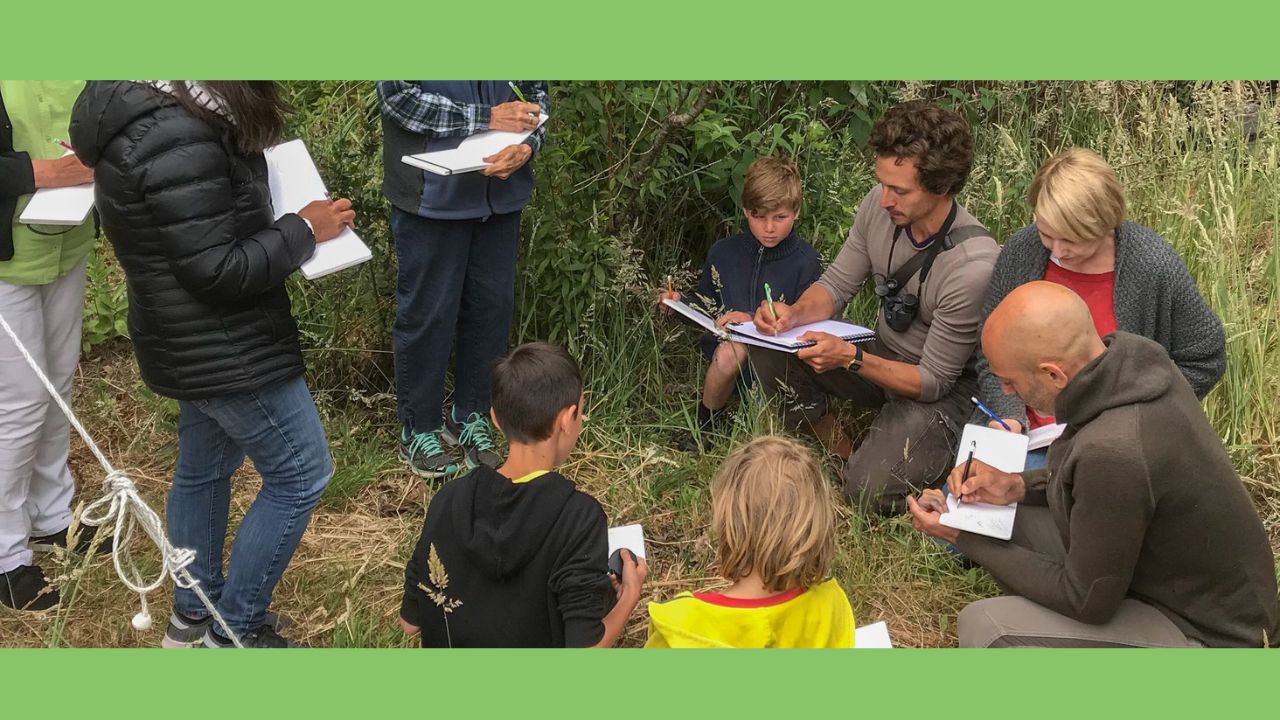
1138,533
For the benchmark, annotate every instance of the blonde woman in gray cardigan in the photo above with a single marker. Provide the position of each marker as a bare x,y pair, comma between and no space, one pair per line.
1131,278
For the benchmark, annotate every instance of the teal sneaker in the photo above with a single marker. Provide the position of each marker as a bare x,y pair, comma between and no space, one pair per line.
424,454
475,437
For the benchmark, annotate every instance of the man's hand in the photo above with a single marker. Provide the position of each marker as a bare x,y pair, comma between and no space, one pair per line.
514,116
927,513
328,217
63,172
986,484
767,324
507,160
827,353
733,316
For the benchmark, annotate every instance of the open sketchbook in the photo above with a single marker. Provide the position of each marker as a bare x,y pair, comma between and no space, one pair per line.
1002,450
788,341
294,182
1044,436
453,156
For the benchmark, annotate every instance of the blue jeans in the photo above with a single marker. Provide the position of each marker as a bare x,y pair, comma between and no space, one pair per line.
1037,459
279,428
455,291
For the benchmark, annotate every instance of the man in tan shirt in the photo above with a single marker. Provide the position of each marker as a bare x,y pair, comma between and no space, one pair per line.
930,262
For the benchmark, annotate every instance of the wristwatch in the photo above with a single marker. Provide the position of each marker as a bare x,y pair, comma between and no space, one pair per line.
856,363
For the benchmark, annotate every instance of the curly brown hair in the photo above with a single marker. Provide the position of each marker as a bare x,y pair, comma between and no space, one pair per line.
938,140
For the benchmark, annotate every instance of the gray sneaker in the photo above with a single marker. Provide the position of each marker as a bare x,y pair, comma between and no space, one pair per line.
424,454
184,632
263,636
474,437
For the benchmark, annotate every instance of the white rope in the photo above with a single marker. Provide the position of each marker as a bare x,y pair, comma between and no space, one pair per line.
123,504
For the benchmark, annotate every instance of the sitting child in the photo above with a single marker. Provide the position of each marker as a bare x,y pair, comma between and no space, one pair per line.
734,276
774,528
517,556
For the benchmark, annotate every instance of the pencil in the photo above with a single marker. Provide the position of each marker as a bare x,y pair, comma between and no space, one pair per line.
967,464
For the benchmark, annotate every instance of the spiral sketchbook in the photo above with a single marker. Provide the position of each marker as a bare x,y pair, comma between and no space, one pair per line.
1004,451
788,341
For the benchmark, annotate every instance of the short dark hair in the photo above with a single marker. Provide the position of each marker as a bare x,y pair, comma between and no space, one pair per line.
530,386
938,140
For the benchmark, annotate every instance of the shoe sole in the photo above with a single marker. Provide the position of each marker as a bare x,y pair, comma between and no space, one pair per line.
429,474
455,443
172,644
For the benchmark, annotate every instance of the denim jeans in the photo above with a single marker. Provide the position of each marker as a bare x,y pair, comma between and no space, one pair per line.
279,428
455,291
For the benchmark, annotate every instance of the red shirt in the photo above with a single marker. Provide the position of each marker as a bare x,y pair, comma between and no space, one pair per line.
1098,291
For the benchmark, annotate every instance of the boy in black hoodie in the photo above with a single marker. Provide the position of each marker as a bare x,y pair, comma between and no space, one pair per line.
734,277
517,556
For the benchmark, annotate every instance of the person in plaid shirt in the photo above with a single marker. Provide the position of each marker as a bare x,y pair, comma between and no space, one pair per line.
456,240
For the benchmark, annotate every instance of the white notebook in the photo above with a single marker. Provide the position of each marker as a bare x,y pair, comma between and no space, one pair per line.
1002,450
467,155
59,206
294,182
1044,436
630,537
788,341
875,635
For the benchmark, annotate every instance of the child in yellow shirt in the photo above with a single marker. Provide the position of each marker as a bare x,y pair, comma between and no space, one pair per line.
774,525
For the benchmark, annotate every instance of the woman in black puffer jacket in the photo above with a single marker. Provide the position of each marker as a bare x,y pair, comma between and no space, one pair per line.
182,195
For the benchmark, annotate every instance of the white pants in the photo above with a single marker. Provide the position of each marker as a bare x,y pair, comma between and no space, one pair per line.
35,482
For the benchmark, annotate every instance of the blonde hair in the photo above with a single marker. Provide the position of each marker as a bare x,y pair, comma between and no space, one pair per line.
772,513
1077,194
772,183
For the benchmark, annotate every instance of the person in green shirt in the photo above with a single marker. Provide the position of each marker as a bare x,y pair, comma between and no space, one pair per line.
42,286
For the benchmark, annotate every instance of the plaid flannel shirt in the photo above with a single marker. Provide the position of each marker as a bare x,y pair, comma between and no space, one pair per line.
436,115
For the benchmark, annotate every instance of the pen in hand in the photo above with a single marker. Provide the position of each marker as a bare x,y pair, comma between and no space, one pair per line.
768,295
973,445
987,411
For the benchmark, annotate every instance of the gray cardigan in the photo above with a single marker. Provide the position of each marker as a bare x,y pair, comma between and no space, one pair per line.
1154,297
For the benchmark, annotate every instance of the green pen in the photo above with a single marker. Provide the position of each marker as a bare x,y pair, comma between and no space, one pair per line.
768,295
516,90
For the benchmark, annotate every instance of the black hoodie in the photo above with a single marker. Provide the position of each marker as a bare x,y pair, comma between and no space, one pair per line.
1148,506
526,565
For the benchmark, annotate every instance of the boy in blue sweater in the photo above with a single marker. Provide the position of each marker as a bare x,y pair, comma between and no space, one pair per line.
734,276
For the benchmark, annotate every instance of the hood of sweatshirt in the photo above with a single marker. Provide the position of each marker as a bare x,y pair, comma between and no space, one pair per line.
500,525
105,109
1132,370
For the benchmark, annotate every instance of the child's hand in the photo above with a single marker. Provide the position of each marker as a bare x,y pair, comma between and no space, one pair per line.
667,295
733,316
767,323
634,572
408,627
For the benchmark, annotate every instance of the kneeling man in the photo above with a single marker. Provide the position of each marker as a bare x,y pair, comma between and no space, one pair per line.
1139,533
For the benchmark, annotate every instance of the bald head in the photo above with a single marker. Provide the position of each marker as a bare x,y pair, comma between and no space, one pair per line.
1037,339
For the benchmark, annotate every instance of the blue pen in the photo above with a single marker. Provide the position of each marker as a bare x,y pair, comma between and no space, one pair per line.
990,414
